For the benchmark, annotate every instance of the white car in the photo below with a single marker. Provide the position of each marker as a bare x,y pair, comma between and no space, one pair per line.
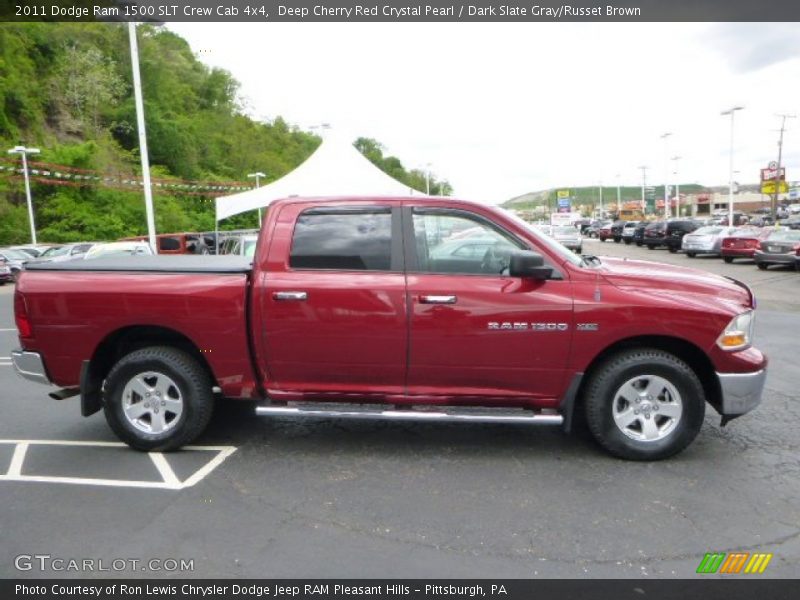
118,249
706,240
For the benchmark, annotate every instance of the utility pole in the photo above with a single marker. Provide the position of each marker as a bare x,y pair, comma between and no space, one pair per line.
23,152
667,210
258,175
675,159
600,190
780,158
427,179
137,93
619,195
644,185
731,112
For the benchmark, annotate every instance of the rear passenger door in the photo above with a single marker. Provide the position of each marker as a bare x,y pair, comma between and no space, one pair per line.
333,301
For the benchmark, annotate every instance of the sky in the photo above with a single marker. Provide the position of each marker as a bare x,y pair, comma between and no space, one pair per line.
502,109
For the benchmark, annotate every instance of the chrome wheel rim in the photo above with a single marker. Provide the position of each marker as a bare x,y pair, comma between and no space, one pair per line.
152,402
647,408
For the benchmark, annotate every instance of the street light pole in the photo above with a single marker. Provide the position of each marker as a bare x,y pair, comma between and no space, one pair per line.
731,112
675,159
427,179
258,175
619,195
780,159
667,211
644,184
23,152
137,92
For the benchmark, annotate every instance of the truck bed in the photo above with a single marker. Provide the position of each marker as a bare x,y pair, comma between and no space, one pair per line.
153,264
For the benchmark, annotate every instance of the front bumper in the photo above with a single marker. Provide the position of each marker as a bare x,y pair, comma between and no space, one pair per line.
30,366
741,392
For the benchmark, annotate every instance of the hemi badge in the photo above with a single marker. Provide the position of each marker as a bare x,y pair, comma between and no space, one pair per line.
588,327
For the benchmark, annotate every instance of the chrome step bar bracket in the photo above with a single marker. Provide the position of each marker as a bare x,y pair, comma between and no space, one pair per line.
413,415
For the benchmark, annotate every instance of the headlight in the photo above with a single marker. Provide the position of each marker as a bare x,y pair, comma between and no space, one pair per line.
739,332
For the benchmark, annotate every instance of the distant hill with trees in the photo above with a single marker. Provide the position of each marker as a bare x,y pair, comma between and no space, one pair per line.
66,88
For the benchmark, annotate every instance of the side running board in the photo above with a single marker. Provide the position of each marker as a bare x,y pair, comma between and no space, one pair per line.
450,415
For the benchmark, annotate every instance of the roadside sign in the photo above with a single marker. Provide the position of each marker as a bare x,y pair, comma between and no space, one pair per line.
564,201
768,187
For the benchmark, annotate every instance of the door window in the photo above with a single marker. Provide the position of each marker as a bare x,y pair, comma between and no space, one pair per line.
346,239
456,243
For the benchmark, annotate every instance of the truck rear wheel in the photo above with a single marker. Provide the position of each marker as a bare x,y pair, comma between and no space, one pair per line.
158,398
644,404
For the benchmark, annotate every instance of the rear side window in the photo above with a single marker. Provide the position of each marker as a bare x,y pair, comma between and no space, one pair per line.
346,240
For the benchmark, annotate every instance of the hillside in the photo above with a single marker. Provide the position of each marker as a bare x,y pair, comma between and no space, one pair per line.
66,89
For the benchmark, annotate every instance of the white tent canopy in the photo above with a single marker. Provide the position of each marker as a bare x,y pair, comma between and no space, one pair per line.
336,168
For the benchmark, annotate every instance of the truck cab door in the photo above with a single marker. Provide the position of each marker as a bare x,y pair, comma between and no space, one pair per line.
475,331
333,316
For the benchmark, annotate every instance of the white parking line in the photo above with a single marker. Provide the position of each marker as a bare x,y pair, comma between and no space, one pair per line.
169,481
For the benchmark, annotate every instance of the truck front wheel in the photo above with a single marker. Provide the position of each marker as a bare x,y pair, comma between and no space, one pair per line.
644,404
158,398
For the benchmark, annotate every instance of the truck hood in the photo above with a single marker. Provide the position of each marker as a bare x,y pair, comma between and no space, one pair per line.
660,278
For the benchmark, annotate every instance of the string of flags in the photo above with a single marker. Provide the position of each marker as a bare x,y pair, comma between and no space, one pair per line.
51,174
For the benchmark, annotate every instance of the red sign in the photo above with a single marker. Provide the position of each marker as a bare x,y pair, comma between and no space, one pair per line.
771,174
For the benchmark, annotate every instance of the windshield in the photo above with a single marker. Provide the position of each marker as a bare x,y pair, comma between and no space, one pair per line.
15,254
785,235
708,231
571,231
55,251
552,245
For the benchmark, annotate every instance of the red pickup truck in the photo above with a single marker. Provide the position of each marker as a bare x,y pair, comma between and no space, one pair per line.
365,307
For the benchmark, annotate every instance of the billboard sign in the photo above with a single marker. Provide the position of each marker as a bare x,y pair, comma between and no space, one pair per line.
772,177
564,201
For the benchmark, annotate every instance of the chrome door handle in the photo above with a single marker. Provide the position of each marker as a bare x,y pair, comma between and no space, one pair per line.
437,299
290,296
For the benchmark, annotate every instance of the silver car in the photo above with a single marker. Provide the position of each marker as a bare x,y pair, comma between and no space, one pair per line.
568,236
706,240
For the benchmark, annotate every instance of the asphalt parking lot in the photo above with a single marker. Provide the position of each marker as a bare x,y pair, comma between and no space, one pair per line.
342,499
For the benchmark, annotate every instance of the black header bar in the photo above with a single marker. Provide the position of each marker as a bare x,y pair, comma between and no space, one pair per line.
538,11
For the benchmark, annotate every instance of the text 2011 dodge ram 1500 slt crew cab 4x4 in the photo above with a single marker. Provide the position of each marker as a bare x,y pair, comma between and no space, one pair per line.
348,309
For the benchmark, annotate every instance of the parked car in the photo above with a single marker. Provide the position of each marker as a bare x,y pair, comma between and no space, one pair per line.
593,229
638,233
568,236
616,230
628,230
245,245
62,253
742,243
30,250
655,234
177,243
705,240
5,273
604,232
336,307
780,247
676,229
792,222
111,249
14,260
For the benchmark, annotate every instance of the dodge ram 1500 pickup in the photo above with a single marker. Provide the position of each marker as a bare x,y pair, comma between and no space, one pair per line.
347,309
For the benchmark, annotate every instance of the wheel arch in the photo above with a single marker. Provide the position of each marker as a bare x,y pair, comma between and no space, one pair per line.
688,352
122,342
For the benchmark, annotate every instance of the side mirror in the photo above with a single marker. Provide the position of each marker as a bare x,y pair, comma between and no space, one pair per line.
529,265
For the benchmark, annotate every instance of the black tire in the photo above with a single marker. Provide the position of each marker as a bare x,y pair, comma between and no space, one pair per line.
762,266
672,250
627,242
691,254
728,259
616,371
617,240
639,244
650,247
192,382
